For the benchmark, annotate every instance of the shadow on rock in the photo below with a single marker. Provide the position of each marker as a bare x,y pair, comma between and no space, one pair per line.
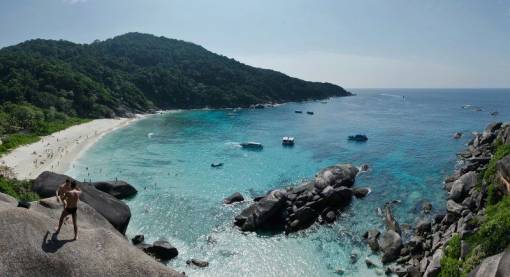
53,244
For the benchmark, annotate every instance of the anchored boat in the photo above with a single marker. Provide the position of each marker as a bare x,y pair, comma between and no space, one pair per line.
252,145
359,138
288,141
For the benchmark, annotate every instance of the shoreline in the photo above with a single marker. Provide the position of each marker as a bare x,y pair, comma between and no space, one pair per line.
57,152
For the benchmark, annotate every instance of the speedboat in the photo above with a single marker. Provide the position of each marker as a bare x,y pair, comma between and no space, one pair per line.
288,141
252,145
216,164
359,138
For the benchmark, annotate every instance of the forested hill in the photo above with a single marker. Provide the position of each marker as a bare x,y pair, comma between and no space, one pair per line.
138,72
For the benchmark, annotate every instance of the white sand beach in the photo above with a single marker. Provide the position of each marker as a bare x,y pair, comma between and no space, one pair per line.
57,151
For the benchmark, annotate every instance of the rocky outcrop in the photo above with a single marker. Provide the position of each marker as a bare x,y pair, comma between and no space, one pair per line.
117,189
391,223
235,197
138,239
298,207
461,187
372,237
100,250
161,250
361,192
503,168
197,262
421,252
114,210
493,266
264,213
390,246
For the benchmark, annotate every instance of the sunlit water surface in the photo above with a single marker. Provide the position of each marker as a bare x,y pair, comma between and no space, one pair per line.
167,158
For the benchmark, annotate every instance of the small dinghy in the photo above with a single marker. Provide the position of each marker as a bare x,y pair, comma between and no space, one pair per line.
297,111
216,164
358,138
311,113
288,141
252,145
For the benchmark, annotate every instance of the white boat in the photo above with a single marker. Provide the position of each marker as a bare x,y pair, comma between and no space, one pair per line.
288,141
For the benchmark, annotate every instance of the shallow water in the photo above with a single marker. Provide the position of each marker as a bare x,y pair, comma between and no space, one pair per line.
410,150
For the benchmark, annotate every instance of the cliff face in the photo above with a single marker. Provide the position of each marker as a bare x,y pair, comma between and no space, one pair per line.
29,248
473,233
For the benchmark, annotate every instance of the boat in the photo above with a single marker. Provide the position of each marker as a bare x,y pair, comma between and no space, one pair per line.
288,141
309,112
259,106
324,102
298,111
216,164
358,137
252,145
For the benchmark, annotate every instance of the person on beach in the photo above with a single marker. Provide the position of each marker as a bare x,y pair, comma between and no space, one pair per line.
71,199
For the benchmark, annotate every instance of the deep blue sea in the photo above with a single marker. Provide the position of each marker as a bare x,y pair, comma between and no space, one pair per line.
167,158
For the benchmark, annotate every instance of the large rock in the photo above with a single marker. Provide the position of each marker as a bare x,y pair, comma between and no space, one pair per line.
504,135
197,262
435,265
503,167
235,197
30,249
361,192
462,186
493,266
117,189
264,213
338,197
492,127
336,176
423,226
390,245
453,207
372,237
162,250
391,223
302,218
7,199
114,210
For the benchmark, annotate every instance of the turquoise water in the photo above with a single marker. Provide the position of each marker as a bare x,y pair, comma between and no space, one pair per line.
410,150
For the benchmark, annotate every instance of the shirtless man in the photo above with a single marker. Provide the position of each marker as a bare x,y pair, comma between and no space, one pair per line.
71,199
61,191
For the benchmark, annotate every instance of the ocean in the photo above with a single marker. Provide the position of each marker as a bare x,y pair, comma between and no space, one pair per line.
167,157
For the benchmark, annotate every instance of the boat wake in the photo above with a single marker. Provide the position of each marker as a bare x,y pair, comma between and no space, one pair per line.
391,95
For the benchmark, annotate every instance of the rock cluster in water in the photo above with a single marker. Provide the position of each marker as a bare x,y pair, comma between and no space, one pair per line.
421,254
298,207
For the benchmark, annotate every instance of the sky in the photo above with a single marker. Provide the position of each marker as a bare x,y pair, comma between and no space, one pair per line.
355,43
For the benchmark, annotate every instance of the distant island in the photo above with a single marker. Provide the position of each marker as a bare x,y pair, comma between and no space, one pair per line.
48,85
